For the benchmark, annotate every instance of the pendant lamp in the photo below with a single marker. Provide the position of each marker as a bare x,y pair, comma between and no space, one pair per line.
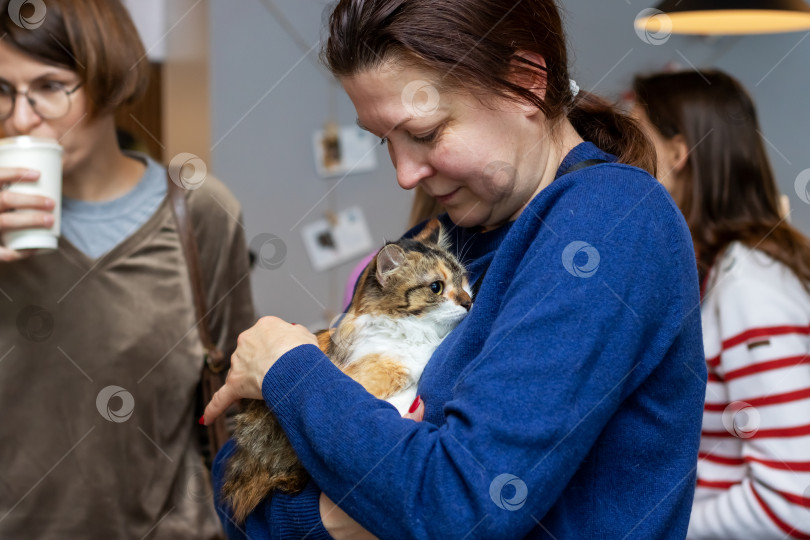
724,17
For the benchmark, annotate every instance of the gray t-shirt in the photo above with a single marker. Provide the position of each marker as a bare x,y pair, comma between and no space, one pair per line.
97,227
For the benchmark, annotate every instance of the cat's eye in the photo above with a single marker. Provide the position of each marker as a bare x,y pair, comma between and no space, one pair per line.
437,287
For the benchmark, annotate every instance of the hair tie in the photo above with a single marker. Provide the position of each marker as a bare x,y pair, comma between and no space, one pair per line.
574,88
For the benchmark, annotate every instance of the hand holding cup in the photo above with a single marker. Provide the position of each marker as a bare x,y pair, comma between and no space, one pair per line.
30,196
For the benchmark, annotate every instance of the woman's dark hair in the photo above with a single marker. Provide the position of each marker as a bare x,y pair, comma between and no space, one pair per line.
730,193
94,38
480,45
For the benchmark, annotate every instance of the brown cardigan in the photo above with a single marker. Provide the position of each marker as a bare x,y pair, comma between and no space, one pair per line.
72,463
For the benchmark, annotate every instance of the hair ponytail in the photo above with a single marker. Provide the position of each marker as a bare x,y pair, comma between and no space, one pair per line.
598,121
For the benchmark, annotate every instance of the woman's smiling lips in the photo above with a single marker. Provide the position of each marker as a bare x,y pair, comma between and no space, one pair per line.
444,199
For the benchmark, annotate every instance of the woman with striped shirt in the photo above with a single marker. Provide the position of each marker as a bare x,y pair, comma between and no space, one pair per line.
754,467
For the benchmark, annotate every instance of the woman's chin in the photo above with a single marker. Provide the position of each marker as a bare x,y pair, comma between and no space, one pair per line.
466,216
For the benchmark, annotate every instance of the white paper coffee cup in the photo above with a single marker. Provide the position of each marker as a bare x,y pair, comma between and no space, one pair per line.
45,156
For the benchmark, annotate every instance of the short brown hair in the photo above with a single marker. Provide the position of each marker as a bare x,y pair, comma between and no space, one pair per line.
94,38
477,44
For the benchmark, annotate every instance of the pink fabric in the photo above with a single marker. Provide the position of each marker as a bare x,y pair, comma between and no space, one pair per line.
354,276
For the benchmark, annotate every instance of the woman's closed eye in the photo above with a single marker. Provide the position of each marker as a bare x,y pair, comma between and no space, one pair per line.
427,139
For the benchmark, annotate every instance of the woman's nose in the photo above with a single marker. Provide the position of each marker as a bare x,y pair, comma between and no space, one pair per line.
411,167
24,119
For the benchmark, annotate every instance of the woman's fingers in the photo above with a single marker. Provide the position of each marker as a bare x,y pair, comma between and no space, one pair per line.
37,212
9,255
14,175
15,221
417,411
221,400
10,200
12,220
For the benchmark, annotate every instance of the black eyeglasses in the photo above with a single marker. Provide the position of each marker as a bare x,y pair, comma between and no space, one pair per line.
50,100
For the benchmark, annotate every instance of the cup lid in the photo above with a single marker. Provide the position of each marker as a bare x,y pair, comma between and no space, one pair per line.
24,141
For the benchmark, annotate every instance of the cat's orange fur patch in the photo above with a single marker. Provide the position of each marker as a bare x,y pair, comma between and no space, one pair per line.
324,339
380,375
429,229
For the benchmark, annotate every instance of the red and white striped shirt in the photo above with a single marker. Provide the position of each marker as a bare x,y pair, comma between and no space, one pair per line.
754,467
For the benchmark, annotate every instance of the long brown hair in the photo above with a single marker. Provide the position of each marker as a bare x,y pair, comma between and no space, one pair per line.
480,45
729,191
423,207
94,38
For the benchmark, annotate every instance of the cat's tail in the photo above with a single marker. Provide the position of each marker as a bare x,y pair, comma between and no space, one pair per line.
244,491
263,462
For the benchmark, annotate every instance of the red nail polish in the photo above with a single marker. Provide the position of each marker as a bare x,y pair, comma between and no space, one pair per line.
294,324
202,420
415,405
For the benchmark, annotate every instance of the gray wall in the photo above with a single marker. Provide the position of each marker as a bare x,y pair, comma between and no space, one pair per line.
267,99
269,108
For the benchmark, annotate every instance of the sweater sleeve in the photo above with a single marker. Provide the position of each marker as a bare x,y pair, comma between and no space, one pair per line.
280,517
763,327
561,354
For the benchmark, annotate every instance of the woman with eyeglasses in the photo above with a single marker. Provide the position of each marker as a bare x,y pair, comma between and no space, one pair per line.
99,355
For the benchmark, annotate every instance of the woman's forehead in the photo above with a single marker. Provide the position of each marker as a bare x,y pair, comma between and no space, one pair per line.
385,81
390,95
15,64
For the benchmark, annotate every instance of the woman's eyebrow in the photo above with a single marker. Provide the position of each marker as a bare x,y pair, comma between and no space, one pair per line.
52,74
48,75
364,128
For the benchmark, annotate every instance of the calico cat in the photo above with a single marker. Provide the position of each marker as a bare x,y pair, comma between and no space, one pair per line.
406,302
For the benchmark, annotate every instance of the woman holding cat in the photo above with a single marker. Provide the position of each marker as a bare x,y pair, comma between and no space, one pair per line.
568,402
99,355
753,471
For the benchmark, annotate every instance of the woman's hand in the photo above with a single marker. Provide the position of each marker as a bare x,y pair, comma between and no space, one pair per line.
10,220
338,523
257,349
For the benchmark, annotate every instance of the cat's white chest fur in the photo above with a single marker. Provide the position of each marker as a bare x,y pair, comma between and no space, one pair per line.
409,340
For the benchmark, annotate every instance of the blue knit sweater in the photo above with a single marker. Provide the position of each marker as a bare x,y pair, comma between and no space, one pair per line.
566,405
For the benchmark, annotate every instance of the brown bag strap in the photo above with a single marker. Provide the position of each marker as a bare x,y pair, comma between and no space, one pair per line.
215,361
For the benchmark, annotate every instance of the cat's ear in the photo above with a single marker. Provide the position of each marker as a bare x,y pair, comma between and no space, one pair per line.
433,233
389,259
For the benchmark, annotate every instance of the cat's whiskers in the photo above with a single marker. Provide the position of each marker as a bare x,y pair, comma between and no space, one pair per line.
461,256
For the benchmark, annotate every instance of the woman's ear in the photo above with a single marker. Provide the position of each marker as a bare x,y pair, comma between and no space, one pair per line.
529,72
679,152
